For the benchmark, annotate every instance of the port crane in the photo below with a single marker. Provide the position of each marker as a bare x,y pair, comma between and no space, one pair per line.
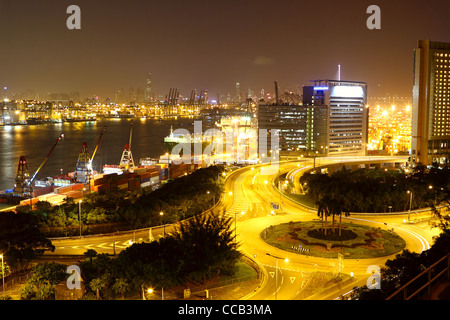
83,169
24,185
127,162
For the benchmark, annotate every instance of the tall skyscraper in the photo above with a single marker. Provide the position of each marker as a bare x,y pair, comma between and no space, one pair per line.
238,96
332,119
430,132
338,119
148,88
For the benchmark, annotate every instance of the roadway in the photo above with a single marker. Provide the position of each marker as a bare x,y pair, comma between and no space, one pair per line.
287,281
247,199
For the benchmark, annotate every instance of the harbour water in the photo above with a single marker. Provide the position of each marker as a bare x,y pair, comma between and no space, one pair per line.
35,142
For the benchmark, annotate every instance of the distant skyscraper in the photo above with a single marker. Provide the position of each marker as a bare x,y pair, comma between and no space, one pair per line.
148,88
119,96
431,103
5,93
238,97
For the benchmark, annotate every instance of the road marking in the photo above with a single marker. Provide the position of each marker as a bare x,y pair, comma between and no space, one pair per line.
292,279
423,241
272,274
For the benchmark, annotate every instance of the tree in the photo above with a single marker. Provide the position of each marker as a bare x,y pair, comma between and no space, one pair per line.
121,286
209,240
96,285
20,239
90,253
42,281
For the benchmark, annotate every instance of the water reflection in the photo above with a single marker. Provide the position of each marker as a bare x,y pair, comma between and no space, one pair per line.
35,142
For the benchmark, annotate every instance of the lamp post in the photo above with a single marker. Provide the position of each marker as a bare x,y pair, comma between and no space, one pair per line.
79,214
164,227
214,197
410,201
276,271
435,194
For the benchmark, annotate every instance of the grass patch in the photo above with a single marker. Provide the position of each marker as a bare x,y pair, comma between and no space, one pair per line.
357,241
303,199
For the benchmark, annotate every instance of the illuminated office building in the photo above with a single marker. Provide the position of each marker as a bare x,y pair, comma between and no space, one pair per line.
430,134
289,119
332,119
338,117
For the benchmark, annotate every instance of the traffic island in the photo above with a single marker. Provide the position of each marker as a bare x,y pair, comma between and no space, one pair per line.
353,241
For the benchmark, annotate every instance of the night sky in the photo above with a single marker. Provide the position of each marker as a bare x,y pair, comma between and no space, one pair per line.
196,44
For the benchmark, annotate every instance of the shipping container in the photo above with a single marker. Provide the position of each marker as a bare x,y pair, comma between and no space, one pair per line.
78,186
122,181
145,180
27,201
154,180
122,186
145,184
74,194
62,190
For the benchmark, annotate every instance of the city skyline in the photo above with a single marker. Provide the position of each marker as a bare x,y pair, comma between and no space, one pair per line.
211,45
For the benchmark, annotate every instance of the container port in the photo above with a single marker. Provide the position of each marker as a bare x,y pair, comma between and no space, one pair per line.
126,176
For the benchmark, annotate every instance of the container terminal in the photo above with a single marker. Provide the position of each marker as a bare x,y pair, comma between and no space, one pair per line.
124,176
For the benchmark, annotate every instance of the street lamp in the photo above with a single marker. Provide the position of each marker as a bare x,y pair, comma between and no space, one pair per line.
410,201
214,197
79,213
435,194
276,271
164,226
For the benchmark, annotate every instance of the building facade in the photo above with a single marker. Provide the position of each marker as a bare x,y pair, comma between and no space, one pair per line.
290,120
339,118
332,119
430,133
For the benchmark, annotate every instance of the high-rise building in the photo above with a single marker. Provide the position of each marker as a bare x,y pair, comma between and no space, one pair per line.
332,119
148,88
238,96
430,132
339,118
289,119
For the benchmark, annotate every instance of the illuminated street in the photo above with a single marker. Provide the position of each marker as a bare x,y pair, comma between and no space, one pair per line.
294,274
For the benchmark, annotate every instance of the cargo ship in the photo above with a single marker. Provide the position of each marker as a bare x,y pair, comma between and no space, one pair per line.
89,119
36,121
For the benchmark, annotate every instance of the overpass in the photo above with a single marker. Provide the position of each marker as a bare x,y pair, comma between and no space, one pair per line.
333,164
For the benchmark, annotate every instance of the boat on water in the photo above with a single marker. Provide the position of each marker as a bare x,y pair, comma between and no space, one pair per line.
34,121
78,119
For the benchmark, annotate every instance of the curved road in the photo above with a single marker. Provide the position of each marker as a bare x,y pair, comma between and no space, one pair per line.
286,281
247,198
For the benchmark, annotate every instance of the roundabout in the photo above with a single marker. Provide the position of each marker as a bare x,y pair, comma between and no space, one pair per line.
288,267
353,241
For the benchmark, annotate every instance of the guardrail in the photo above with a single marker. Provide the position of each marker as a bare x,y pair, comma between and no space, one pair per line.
11,284
433,274
218,202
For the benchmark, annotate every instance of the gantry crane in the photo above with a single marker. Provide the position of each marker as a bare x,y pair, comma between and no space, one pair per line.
83,169
23,186
127,162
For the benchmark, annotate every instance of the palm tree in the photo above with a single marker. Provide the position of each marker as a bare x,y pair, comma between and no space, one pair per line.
121,286
90,253
96,285
323,211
